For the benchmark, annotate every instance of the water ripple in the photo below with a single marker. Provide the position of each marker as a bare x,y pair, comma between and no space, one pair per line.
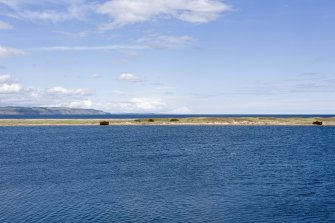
167,174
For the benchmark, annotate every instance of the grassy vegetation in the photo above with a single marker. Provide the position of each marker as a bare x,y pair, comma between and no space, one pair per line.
169,121
27,122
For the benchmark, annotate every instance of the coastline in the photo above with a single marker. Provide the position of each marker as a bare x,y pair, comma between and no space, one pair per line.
202,121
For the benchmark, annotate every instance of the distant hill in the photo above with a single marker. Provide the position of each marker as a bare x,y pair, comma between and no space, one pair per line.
49,111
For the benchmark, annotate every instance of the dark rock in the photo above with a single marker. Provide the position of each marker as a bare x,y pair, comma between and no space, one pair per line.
317,123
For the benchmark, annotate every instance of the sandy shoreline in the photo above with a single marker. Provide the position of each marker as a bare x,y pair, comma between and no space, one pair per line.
204,121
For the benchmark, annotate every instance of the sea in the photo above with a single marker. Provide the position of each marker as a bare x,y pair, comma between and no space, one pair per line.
167,174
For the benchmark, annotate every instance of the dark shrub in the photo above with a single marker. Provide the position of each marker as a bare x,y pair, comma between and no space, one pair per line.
151,120
174,120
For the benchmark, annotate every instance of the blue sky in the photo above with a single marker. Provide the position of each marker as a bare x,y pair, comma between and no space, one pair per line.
176,56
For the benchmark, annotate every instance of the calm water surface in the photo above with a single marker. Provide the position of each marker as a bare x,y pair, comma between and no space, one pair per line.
167,174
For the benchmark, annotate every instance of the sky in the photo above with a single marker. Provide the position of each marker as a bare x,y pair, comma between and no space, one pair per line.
169,56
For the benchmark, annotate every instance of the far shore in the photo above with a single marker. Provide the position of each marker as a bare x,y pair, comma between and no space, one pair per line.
240,121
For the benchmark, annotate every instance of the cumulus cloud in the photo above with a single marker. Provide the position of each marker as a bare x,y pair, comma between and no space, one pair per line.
62,90
4,78
129,77
7,52
119,12
10,88
14,93
46,15
124,12
140,105
167,41
7,86
81,104
4,25
148,104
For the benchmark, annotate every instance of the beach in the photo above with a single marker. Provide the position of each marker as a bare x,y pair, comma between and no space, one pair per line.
240,121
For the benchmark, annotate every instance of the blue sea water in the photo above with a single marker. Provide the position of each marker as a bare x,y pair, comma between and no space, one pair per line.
167,174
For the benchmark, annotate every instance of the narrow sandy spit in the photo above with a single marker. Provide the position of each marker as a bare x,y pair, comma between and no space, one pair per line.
204,121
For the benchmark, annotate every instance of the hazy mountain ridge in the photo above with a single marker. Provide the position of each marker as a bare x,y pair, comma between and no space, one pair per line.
49,111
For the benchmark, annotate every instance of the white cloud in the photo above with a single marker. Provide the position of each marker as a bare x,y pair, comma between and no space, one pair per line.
4,25
50,15
153,41
148,104
129,77
7,52
10,3
134,105
81,104
14,93
66,10
4,78
14,3
119,12
7,86
124,12
167,41
62,90
10,88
